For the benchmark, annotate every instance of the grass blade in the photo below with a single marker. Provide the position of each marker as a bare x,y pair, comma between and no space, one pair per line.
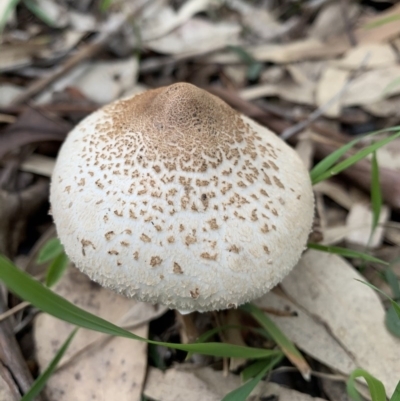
40,296
376,194
241,393
287,347
376,388
326,163
41,381
255,368
361,154
50,250
396,394
56,269
348,253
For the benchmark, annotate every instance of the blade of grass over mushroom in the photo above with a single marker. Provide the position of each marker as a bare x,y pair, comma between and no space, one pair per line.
56,269
393,281
287,347
348,253
396,394
40,296
41,381
50,250
382,21
376,388
241,393
361,154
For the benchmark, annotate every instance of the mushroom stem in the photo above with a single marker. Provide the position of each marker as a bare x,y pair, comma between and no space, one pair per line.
189,332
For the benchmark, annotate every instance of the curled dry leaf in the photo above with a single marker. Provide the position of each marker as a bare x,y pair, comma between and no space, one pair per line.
95,366
325,286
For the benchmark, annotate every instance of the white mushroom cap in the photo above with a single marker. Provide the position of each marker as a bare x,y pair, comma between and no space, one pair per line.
171,196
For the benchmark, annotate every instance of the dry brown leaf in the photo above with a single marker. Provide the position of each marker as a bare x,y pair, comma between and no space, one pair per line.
196,36
331,83
359,224
107,367
324,286
32,126
383,32
384,108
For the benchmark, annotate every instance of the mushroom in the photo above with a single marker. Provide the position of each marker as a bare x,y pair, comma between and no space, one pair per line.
173,197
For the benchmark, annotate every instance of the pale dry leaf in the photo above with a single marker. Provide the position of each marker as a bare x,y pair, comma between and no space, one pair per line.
259,20
38,164
359,223
389,156
107,367
334,235
276,392
309,334
17,55
379,55
324,286
162,20
330,21
305,72
393,234
300,50
4,6
331,83
206,384
6,394
372,86
336,192
196,36
384,108
100,81
175,385
56,11
8,92
286,89
81,22
305,149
